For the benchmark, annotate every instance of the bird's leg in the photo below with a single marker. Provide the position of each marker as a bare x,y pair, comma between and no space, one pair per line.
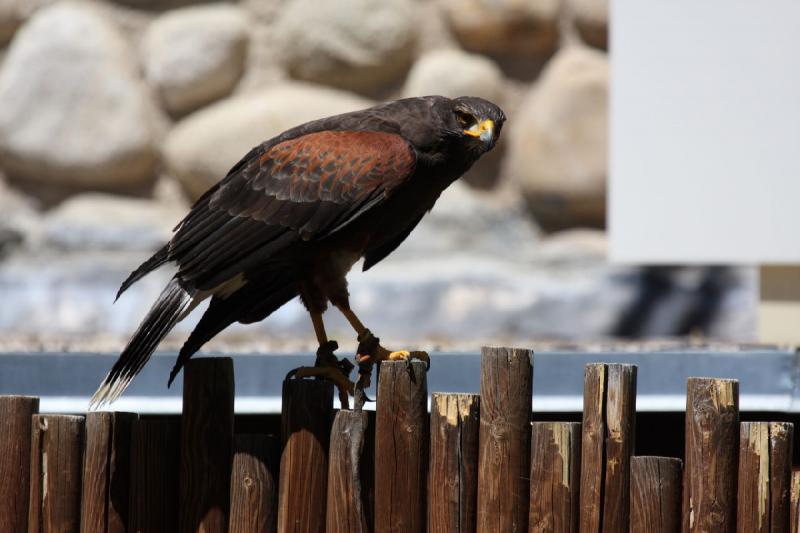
370,352
370,347
327,365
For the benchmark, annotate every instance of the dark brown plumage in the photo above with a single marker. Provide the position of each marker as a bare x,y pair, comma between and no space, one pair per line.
294,215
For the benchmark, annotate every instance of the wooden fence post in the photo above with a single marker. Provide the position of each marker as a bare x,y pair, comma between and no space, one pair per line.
16,413
794,514
155,468
609,429
555,477
254,484
306,427
453,466
655,495
206,445
350,473
56,461
595,383
765,465
106,472
401,447
505,439
781,444
712,454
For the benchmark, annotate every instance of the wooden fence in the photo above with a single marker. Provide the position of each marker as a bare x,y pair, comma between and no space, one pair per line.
475,464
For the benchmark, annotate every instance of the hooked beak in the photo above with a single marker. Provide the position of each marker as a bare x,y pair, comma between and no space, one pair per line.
484,130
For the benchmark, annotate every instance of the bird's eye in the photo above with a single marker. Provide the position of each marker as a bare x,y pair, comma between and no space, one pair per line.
464,118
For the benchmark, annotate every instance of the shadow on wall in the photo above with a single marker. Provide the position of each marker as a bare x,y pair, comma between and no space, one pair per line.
659,287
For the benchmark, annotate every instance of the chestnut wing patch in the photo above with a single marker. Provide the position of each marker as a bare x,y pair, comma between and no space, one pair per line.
301,189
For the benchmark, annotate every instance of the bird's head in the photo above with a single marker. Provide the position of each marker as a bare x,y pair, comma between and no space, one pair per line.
478,121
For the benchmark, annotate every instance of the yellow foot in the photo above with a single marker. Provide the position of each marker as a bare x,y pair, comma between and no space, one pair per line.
328,367
405,355
370,352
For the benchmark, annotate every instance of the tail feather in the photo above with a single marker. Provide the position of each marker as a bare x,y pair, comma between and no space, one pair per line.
158,259
247,305
170,308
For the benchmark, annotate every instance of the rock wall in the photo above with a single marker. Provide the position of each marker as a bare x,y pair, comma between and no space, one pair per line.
116,114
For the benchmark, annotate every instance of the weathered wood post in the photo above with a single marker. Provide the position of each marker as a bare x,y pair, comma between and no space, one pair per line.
712,455
555,477
453,467
106,472
794,513
306,426
401,448
206,445
765,468
155,471
350,473
781,445
505,439
655,495
56,463
609,429
254,484
16,413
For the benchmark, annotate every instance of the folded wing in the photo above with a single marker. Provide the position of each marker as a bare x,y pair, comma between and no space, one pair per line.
301,189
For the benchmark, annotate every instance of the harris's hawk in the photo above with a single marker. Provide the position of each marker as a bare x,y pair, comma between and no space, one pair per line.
296,213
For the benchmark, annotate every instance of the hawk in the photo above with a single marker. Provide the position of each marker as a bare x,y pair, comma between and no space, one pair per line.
295,214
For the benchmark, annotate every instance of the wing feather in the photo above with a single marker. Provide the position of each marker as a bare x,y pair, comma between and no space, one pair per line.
297,190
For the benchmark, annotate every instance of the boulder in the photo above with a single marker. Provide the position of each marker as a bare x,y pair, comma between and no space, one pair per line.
455,73
11,16
74,110
20,223
591,20
466,221
201,149
94,221
195,55
505,27
558,143
575,246
13,13
361,45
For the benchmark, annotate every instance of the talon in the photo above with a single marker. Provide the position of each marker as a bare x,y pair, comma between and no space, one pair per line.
405,355
399,355
360,395
364,378
422,356
410,370
369,352
360,398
